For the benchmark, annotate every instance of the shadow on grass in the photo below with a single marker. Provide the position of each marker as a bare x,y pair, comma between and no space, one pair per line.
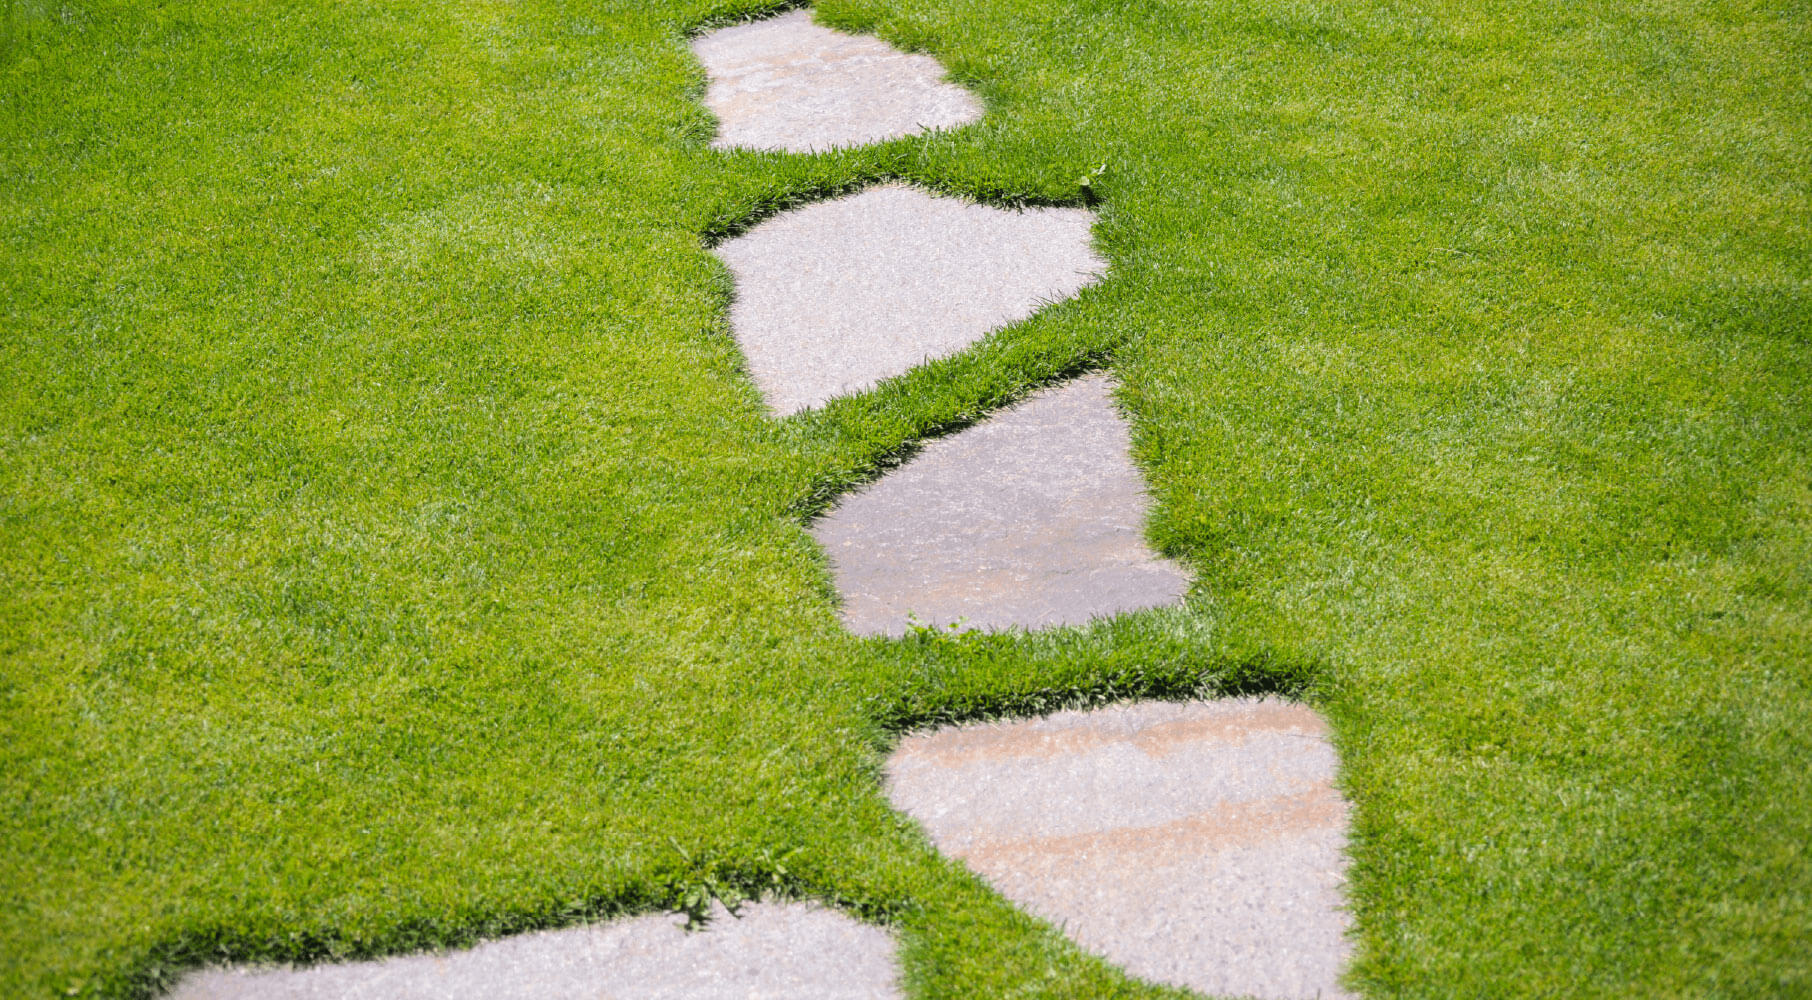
951,677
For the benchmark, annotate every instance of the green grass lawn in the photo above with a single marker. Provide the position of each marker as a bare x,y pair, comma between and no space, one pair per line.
392,551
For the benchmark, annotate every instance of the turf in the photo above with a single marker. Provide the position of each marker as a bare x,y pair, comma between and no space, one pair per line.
393,552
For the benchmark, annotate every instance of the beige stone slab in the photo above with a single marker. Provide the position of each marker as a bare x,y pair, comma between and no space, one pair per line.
1032,518
774,950
1198,845
836,296
788,84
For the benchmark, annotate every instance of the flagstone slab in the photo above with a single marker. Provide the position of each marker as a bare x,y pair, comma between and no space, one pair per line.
788,84
773,950
1198,845
1031,518
836,296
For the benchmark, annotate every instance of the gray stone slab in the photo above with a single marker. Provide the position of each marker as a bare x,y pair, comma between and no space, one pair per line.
1198,845
788,84
778,950
1032,518
836,296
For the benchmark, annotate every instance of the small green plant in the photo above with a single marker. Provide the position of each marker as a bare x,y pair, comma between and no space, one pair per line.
1086,183
930,633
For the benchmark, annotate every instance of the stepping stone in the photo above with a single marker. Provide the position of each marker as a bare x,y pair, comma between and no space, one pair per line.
836,296
778,950
788,84
1032,518
1197,845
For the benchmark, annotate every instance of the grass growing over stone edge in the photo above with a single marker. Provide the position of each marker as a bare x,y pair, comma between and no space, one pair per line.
394,554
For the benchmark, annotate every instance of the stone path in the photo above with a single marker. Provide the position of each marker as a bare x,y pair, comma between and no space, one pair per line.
1031,518
788,84
774,950
1198,845
836,296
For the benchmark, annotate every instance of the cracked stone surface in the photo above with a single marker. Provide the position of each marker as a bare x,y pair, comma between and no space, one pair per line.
774,950
1031,518
788,84
1198,845
836,296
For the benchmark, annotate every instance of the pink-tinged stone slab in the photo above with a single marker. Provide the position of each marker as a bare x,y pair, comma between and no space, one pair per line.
1031,518
774,950
836,296
1198,845
788,84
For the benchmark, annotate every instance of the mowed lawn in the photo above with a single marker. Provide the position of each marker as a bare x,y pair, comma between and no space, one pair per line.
394,553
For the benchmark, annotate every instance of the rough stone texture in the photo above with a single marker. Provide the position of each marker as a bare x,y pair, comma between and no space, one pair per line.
1032,518
786,83
778,950
836,296
1199,845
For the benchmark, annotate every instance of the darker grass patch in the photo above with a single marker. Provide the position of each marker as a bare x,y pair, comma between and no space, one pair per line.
1727,307
951,677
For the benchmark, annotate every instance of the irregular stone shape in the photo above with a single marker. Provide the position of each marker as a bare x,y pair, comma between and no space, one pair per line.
1031,518
836,296
1199,845
786,83
778,950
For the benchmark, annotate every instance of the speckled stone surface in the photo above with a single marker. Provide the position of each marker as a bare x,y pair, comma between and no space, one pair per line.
1031,518
834,297
1199,845
788,84
774,950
